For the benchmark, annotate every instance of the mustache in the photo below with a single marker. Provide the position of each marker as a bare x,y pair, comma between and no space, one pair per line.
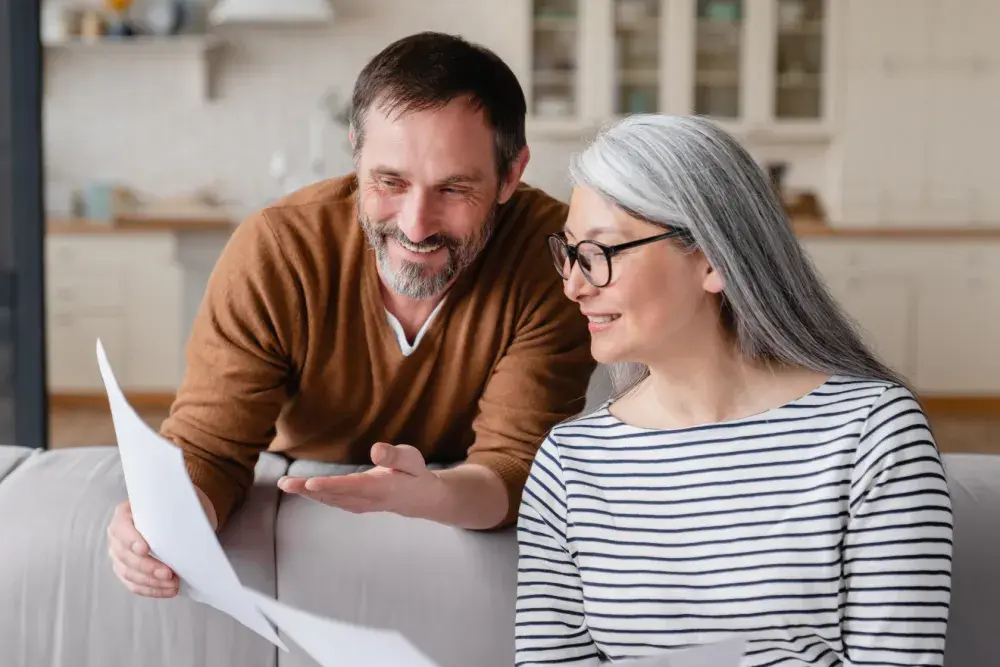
431,242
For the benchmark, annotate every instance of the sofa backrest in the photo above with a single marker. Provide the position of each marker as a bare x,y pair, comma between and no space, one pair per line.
974,621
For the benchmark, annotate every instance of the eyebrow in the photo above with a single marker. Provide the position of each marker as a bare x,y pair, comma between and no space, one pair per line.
471,178
593,231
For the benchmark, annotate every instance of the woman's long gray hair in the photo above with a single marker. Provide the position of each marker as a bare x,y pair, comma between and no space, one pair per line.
686,172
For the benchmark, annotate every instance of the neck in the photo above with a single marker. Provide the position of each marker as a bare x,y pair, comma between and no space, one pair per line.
697,386
709,381
411,313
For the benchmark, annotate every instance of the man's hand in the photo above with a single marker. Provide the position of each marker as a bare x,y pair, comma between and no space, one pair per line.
135,567
400,483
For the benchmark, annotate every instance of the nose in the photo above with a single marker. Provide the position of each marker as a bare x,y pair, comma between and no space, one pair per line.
575,286
416,218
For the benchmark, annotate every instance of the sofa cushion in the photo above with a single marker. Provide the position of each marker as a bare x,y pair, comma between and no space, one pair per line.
974,483
449,591
11,457
63,605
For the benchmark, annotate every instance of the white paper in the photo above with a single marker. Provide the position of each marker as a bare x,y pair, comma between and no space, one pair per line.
338,644
168,514
728,653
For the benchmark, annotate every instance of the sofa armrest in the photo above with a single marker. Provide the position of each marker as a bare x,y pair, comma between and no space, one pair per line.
63,605
11,457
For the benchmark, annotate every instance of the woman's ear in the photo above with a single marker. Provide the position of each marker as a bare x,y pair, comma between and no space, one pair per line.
712,282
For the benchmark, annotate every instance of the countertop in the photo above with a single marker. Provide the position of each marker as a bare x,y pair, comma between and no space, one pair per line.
804,228
134,226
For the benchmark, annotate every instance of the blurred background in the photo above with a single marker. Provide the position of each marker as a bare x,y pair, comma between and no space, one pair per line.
162,123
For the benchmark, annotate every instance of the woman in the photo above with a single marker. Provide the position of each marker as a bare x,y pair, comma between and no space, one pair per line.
759,472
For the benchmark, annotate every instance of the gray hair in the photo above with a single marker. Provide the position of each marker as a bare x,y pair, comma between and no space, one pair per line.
686,172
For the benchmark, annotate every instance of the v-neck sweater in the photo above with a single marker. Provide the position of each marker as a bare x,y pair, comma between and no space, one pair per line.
291,350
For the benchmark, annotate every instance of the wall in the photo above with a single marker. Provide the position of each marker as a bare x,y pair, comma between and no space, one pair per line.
918,97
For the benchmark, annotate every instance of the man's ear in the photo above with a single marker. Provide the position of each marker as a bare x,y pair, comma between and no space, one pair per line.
513,178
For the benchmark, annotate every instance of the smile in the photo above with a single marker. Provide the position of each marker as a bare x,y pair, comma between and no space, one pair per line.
602,319
419,248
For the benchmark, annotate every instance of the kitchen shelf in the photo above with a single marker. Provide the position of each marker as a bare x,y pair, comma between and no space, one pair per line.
203,48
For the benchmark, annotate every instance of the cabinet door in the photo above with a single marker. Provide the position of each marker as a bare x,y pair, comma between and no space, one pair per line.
800,60
72,354
638,54
959,323
719,46
884,308
555,60
153,320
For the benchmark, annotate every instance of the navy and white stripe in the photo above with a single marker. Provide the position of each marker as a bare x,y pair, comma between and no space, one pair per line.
820,531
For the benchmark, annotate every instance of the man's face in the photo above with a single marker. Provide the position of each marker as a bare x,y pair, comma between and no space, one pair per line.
428,194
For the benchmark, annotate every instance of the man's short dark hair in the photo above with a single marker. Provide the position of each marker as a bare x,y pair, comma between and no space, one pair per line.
430,69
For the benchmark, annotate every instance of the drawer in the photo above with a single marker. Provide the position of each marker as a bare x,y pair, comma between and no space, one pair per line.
96,251
84,293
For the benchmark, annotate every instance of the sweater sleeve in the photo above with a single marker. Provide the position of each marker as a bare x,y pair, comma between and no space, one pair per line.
238,365
540,381
898,547
550,625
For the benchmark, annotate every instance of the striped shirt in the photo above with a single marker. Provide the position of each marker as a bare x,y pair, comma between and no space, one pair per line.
820,532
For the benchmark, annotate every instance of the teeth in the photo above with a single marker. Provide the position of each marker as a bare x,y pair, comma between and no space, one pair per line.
422,249
602,319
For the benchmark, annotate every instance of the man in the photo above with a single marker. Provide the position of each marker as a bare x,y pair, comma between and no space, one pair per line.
405,314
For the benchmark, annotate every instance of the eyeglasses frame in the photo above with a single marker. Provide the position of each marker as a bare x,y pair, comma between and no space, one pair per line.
609,251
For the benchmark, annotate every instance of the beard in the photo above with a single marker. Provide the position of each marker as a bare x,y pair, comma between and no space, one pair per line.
412,279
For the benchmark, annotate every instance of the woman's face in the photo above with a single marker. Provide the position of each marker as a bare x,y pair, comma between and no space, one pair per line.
660,299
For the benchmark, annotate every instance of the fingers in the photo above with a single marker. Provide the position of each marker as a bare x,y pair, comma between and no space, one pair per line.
141,573
402,458
358,492
292,484
142,584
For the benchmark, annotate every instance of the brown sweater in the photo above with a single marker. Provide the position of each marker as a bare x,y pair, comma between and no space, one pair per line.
291,350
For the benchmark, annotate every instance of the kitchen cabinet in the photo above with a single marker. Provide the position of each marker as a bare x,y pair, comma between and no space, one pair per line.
929,307
124,289
762,67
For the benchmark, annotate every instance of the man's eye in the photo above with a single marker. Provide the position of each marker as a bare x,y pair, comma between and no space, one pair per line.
452,191
391,183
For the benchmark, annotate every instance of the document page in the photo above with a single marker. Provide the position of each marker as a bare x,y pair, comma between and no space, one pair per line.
728,653
168,514
337,644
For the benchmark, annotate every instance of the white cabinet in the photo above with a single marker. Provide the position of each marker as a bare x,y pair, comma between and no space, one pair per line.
124,289
958,321
761,66
883,308
930,308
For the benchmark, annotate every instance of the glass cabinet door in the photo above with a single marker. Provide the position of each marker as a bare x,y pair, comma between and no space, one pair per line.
555,34
637,56
799,60
718,58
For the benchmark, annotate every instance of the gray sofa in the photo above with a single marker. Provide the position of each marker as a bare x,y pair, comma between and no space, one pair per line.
450,591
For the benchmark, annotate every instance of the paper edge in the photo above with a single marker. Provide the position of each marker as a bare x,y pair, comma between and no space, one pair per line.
107,373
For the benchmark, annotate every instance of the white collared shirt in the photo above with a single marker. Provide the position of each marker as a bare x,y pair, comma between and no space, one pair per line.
404,345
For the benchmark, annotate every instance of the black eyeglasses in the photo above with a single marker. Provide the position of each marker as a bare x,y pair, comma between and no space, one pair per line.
594,257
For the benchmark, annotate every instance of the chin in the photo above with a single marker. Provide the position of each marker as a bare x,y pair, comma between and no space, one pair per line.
606,352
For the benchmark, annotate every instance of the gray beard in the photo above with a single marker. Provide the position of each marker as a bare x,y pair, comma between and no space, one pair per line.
410,279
